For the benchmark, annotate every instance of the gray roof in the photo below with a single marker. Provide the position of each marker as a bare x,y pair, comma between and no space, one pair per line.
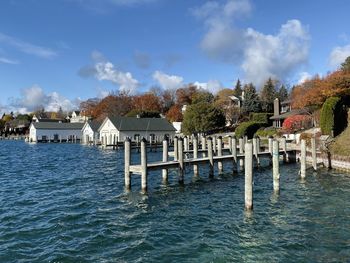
288,114
58,125
141,124
95,125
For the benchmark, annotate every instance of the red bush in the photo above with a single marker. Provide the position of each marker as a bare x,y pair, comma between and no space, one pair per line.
297,122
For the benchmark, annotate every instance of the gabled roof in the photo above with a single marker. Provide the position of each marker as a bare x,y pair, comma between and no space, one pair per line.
288,114
94,125
141,124
57,125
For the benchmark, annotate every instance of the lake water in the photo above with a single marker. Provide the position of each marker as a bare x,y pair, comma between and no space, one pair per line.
66,203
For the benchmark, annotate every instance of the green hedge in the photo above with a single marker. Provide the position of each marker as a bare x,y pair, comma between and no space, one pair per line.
266,132
261,117
330,112
248,128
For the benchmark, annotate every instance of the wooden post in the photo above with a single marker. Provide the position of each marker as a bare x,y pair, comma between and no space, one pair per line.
219,153
195,156
181,160
313,151
241,151
257,150
165,159
275,164
176,150
270,148
210,156
230,143
150,143
303,159
214,144
127,160
284,149
144,165
203,146
186,143
234,151
248,179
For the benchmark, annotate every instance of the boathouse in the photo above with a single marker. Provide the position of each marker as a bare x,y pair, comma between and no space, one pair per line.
55,131
116,129
90,132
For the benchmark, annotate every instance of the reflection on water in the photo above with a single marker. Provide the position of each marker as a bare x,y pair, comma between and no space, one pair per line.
66,203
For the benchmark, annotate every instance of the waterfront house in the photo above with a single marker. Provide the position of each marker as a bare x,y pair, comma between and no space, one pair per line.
114,129
77,117
55,131
90,132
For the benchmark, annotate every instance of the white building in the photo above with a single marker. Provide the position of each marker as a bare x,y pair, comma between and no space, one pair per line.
114,129
77,117
90,132
54,131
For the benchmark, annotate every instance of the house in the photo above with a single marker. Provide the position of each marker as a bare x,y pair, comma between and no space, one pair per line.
54,131
41,119
90,132
77,117
114,129
282,111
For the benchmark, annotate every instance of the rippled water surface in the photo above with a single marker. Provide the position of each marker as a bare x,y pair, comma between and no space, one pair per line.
66,203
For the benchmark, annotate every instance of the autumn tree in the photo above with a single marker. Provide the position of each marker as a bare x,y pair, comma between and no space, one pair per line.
89,107
174,113
146,102
224,102
251,102
238,89
113,105
267,95
185,94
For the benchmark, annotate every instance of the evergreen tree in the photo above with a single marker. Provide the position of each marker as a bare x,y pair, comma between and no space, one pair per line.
282,93
345,66
267,96
238,89
251,102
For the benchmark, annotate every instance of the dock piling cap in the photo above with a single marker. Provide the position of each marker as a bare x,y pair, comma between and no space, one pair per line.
180,139
128,139
209,138
143,139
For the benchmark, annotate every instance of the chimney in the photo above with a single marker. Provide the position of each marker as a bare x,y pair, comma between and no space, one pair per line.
276,107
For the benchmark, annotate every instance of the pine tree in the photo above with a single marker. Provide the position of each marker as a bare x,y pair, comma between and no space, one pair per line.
267,95
282,93
238,89
345,66
251,102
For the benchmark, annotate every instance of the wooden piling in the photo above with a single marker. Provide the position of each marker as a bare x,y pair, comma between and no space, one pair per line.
219,153
248,179
203,146
241,151
186,143
230,143
275,164
234,152
214,144
313,152
210,156
176,150
127,160
181,160
284,149
144,174
195,155
303,159
165,159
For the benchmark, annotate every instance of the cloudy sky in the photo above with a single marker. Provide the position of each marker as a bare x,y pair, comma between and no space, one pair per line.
57,53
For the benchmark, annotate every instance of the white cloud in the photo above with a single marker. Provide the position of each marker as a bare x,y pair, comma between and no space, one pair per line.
34,97
167,81
213,86
338,55
259,55
8,61
26,47
303,76
125,80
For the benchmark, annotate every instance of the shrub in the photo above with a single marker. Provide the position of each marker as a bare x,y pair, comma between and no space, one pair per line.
266,132
261,117
297,122
248,128
333,119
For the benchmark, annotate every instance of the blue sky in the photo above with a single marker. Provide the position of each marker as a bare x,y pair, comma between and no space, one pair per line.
56,53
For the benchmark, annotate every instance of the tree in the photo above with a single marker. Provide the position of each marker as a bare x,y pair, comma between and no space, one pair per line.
202,115
224,102
251,101
238,89
89,107
345,66
174,114
147,102
184,95
282,93
267,96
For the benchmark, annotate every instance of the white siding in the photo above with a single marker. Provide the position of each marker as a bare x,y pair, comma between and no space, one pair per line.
89,135
35,134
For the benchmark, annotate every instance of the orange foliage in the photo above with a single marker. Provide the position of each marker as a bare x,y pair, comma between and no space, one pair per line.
146,102
174,113
315,91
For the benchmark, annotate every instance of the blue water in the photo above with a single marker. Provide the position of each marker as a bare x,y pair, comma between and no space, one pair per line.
66,203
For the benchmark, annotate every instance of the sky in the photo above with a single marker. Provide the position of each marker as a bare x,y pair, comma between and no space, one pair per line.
57,53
